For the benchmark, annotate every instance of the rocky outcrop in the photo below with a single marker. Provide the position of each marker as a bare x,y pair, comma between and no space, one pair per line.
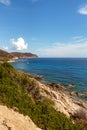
63,101
74,93
71,86
56,87
11,120
38,77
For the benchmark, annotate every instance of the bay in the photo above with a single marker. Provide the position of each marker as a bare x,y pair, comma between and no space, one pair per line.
59,70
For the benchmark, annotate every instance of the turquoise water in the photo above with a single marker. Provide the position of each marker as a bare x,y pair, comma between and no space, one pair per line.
59,70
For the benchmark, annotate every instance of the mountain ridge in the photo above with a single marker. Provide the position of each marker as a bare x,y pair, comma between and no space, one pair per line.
12,56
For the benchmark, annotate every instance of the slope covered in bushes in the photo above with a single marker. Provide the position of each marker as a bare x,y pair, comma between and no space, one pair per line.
17,90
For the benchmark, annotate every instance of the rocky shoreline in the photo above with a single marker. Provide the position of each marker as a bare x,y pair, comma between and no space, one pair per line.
27,91
69,89
64,101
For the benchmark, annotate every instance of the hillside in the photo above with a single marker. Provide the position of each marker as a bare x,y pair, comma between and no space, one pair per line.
5,56
42,104
23,55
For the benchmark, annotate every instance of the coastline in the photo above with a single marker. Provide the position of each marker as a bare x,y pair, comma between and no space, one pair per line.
10,61
52,94
16,59
63,101
38,64
67,90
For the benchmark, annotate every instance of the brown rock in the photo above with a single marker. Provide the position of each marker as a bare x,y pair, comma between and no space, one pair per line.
38,77
56,87
11,120
74,93
70,86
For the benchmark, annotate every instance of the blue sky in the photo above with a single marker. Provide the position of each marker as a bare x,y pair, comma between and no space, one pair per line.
49,28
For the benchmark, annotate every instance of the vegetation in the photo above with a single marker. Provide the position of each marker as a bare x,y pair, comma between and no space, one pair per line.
17,90
20,55
82,122
80,117
5,56
81,114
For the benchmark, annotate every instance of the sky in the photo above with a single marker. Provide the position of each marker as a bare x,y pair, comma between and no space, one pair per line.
48,28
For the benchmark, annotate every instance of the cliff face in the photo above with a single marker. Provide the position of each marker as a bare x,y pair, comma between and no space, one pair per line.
11,120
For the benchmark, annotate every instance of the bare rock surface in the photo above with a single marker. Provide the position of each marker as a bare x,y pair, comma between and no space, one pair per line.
11,120
63,102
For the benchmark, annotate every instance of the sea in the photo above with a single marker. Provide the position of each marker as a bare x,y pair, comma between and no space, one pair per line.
64,71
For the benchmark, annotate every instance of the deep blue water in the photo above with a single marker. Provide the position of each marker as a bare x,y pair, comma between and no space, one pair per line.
60,70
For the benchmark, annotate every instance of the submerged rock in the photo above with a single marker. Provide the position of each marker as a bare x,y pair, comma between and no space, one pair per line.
83,95
71,86
38,77
74,93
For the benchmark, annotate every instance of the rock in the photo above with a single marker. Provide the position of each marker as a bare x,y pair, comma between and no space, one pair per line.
11,120
71,86
74,93
63,102
38,77
15,109
56,87
82,95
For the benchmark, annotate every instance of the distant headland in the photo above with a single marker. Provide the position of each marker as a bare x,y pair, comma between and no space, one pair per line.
14,56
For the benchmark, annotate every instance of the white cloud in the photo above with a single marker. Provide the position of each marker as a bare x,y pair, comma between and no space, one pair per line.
78,39
83,10
5,48
64,50
5,2
19,44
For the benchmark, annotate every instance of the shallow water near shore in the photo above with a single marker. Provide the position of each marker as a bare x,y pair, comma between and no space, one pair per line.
59,70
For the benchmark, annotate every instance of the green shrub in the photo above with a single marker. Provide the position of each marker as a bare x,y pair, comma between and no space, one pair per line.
17,90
